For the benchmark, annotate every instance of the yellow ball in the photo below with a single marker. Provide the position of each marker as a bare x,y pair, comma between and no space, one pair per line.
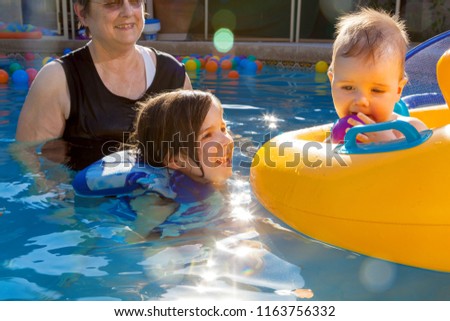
46,60
321,66
190,65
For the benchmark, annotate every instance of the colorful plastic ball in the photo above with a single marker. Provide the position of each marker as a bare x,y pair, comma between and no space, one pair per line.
321,66
340,129
4,77
28,28
31,74
20,77
259,64
13,27
211,66
233,74
46,60
197,61
67,51
29,56
202,62
226,64
251,67
14,66
243,62
190,65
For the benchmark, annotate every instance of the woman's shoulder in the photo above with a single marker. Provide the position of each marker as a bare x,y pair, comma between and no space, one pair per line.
159,56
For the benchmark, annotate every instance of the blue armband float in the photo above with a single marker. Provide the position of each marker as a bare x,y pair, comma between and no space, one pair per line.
120,175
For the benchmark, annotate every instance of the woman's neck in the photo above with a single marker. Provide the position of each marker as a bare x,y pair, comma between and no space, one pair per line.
104,54
122,71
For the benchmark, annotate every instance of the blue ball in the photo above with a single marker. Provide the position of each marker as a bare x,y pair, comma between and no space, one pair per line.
67,51
20,77
251,67
243,62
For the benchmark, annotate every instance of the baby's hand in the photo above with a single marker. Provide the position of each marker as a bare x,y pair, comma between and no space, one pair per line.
341,127
371,137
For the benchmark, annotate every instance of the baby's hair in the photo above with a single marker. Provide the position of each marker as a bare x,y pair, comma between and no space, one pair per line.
168,124
370,33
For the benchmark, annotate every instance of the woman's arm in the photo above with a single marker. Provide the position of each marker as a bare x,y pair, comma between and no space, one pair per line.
47,106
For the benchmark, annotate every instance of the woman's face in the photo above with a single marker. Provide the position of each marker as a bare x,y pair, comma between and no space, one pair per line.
113,21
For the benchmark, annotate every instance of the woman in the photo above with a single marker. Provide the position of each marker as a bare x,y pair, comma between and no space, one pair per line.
88,97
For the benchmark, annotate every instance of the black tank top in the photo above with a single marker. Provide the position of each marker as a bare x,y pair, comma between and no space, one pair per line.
95,112
99,120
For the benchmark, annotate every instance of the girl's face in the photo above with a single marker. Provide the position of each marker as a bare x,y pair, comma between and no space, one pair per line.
215,150
113,21
369,87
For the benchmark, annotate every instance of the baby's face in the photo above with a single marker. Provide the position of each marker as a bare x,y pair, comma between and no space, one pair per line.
365,85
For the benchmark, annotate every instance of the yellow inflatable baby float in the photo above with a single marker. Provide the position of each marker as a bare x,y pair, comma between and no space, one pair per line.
392,204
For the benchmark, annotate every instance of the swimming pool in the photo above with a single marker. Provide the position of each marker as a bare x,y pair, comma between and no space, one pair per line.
59,247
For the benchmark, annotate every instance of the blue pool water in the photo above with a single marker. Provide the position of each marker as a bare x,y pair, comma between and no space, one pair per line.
55,246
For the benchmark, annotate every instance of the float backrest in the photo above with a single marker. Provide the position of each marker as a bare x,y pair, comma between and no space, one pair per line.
420,67
443,75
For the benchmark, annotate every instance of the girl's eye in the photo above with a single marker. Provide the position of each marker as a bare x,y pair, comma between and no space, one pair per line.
206,135
378,91
348,88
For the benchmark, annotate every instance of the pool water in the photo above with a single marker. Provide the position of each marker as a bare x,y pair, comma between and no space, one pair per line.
56,246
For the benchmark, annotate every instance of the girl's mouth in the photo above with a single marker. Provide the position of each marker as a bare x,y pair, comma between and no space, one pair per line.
224,161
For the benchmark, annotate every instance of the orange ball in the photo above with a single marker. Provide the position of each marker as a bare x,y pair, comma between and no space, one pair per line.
233,74
211,66
226,64
259,64
4,77
202,62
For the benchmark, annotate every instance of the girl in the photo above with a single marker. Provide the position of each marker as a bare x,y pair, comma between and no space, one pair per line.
181,150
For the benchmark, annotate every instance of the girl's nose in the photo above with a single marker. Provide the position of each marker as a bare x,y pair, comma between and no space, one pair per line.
226,139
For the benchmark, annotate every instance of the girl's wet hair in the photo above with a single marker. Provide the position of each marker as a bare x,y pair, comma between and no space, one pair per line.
168,124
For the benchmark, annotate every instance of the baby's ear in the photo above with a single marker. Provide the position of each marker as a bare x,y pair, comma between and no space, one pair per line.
402,84
330,74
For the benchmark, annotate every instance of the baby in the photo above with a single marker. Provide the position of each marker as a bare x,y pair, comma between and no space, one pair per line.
367,71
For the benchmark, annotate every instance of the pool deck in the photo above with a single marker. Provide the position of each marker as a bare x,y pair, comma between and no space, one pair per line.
304,52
